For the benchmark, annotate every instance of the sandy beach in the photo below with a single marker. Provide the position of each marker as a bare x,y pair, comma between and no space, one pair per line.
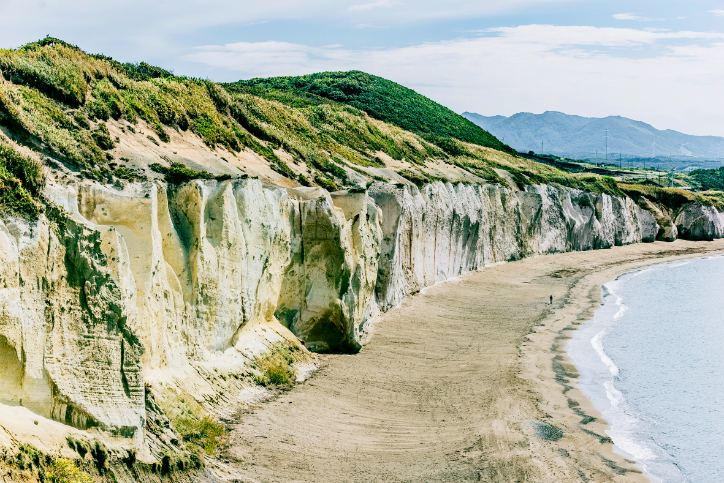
466,381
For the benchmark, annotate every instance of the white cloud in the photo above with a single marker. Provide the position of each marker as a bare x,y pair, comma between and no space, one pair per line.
157,31
373,5
718,13
529,68
631,16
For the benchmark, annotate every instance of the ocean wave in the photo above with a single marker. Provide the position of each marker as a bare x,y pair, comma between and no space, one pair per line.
679,264
597,344
622,309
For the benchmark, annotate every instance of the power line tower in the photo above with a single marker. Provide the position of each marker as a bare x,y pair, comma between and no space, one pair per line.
606,145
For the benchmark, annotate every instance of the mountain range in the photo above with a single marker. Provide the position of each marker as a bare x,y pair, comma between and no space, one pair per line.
585,137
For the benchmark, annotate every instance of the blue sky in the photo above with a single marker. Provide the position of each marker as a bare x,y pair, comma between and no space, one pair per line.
660,62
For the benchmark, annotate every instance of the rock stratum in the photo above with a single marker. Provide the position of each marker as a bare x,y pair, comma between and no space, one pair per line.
183,285
152,283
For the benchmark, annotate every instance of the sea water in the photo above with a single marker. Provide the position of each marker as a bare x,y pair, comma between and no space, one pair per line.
652,361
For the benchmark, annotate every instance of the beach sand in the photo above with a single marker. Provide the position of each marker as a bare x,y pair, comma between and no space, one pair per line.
466,381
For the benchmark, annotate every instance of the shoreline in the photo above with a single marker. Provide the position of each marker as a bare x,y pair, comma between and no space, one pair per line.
456,384
558,330
631,428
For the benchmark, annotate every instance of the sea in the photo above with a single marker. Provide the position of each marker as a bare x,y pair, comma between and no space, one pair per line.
652,361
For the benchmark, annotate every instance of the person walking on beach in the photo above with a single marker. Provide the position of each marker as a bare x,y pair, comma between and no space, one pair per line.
551,299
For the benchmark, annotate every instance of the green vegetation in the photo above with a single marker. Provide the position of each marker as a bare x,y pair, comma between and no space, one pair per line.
386,101
66,471
59,100
29,462
62,102
21,182
276,366
672,198
177,173
201,432
709,179
525,171
419,179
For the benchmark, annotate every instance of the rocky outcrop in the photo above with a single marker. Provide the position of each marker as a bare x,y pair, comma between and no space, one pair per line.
443,231
67,345
698,222
187,284
667,229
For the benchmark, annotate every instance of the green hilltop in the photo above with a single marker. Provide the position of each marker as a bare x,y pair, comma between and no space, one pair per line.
389,102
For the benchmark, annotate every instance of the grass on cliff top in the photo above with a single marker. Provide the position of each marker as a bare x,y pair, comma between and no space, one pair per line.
673,198
484,162
387,101
22,180
56,98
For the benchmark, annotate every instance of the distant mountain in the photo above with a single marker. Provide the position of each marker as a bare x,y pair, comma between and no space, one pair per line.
580,137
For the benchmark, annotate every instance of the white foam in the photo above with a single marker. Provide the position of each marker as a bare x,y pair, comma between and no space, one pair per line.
598,347
614,395
680,264
622,310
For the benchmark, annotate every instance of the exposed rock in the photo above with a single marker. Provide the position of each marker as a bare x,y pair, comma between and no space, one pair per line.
469,227
185,285
667,229
698,222
65,326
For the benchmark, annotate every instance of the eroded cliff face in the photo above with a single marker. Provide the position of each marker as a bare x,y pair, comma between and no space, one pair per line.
443,231
185,285
67,344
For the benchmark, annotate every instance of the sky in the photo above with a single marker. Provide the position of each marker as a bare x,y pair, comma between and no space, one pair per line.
661,62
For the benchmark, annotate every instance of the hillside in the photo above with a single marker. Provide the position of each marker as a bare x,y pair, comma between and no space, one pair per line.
88,117
580,137
386,101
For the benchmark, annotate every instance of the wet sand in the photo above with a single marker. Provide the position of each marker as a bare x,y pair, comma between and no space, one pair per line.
466,381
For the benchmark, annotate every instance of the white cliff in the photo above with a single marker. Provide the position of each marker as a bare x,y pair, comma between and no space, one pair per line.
186,284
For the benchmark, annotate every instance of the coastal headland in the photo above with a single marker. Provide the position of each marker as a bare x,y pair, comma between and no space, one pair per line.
466,381
174,252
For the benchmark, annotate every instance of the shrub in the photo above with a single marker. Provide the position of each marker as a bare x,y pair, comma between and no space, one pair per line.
21,180
327,184
65,471
418,179
203,432
29,171
177,173
102,137
276,366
